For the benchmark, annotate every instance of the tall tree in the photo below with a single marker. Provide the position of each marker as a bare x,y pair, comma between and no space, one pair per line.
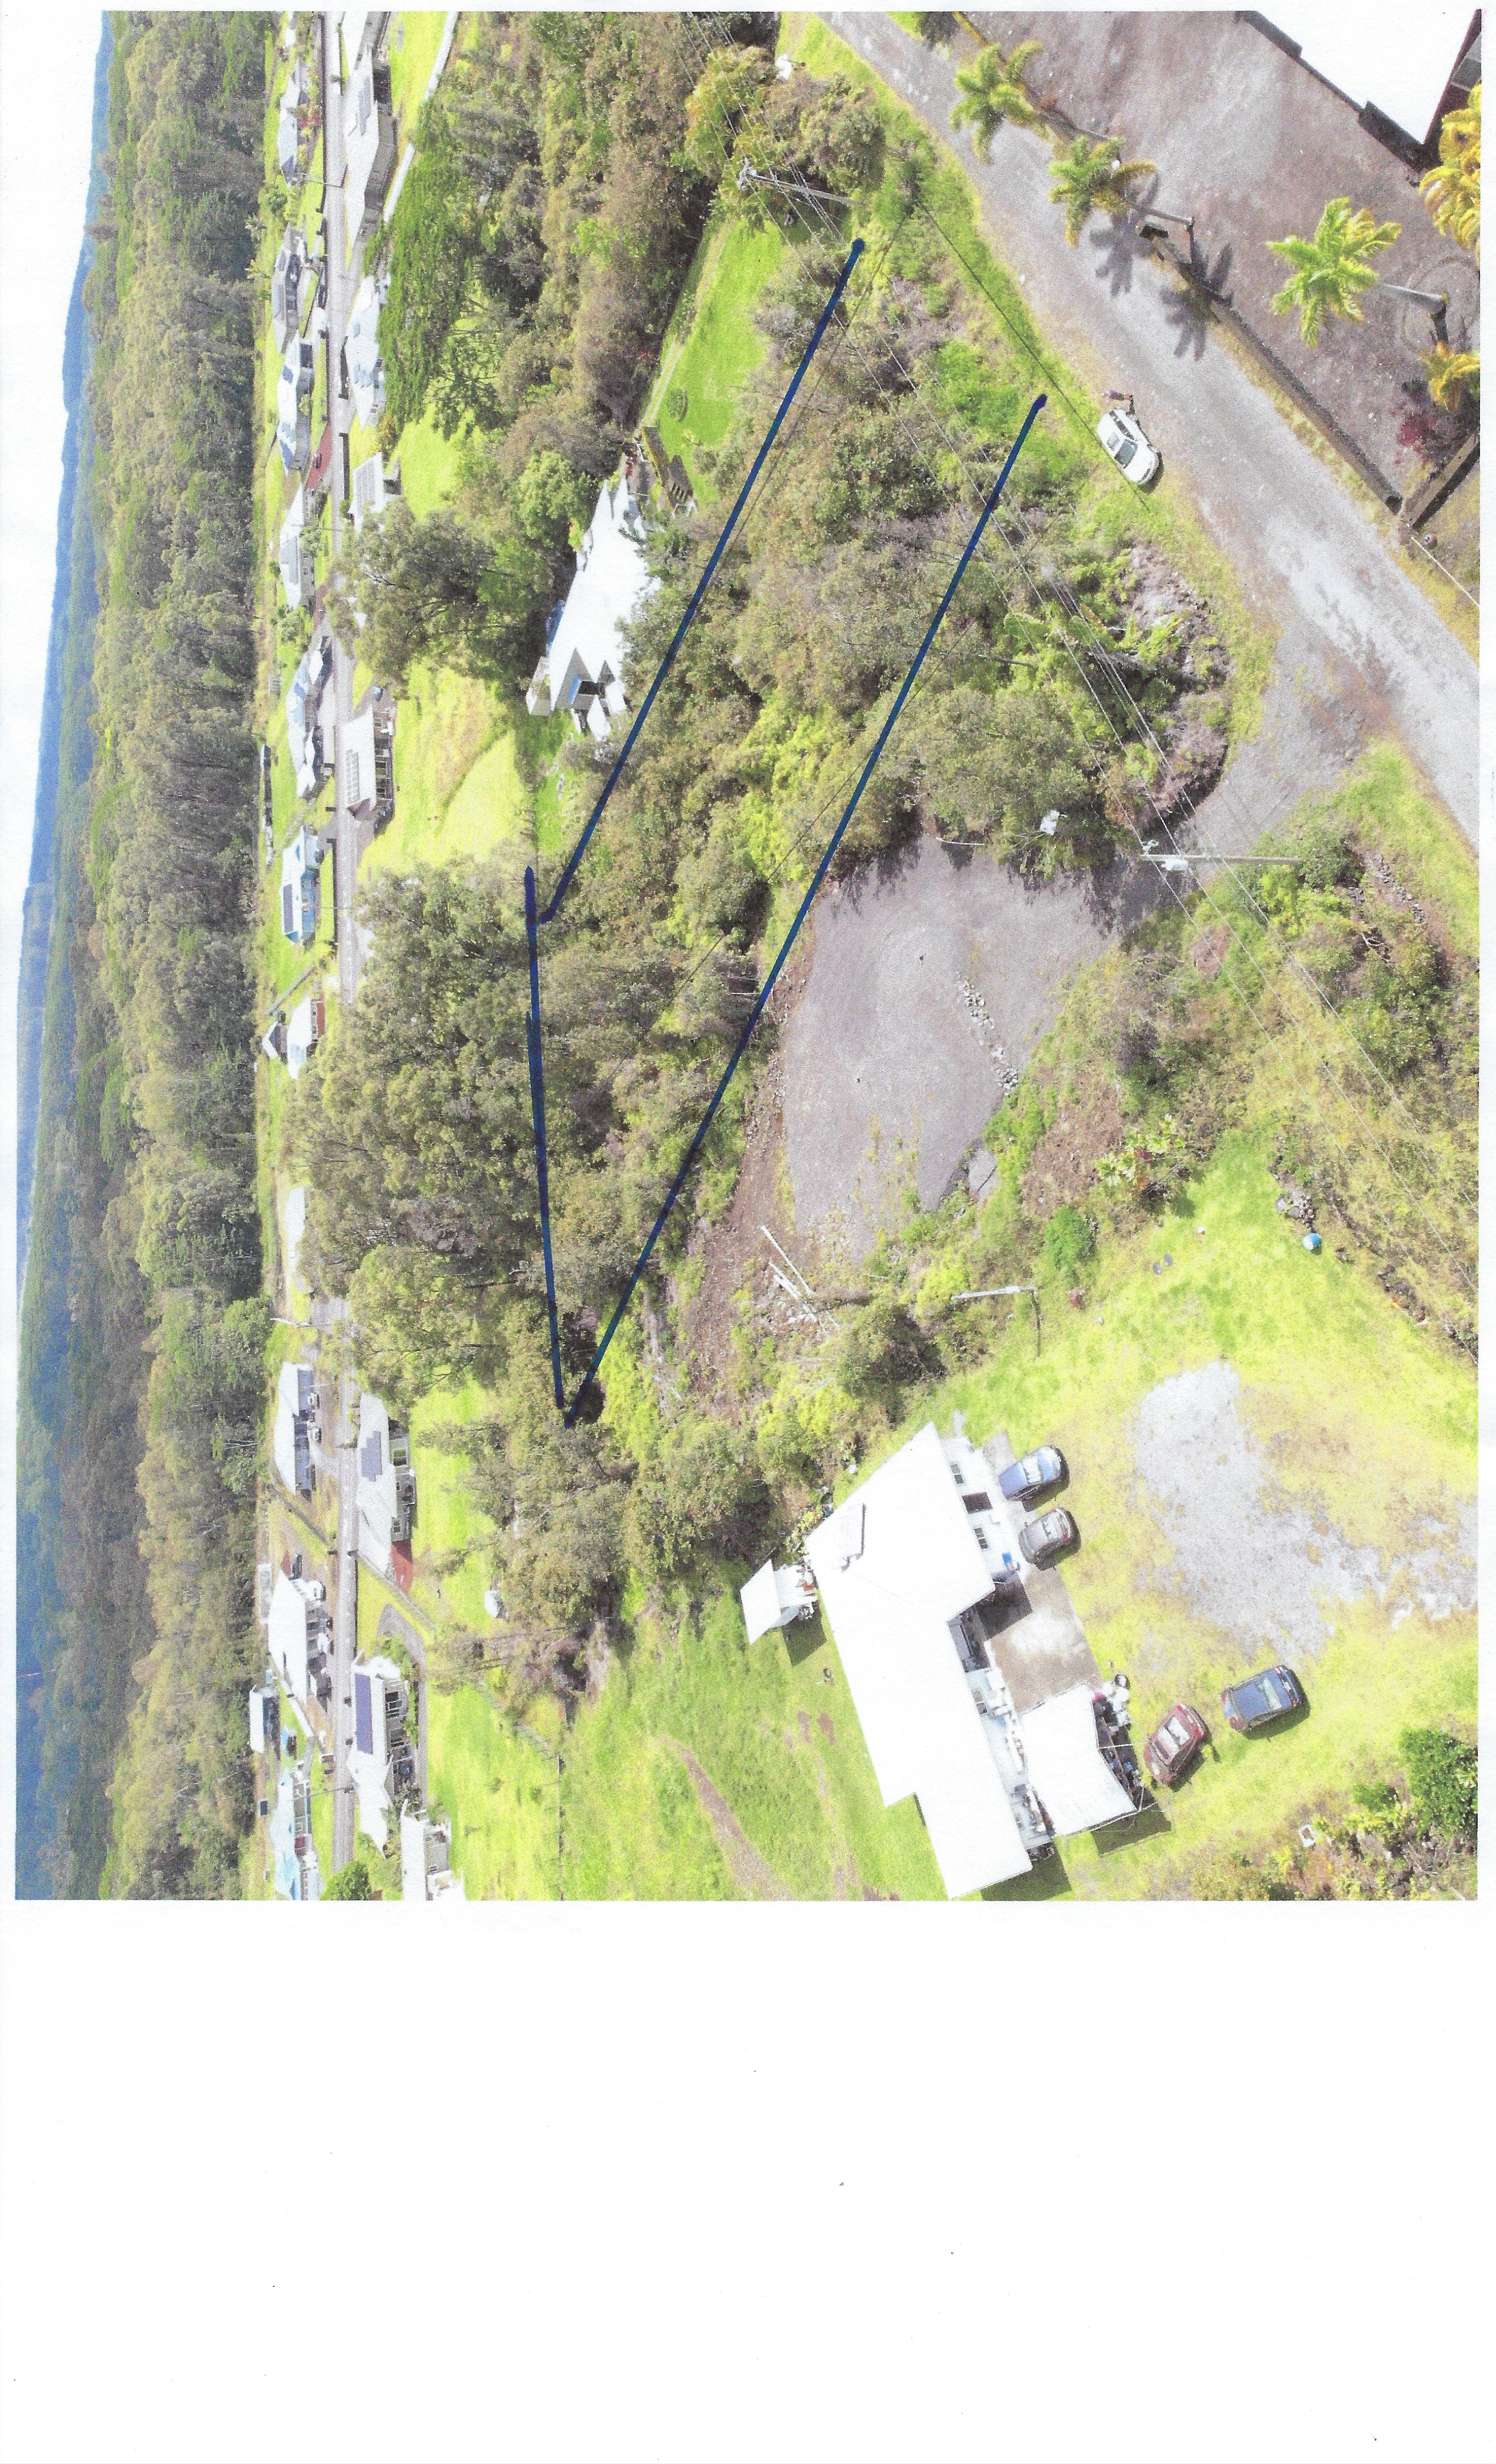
1092,177
992,91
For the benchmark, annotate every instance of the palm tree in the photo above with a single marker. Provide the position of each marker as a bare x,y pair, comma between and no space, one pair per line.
1450,372
1332,268
992,91
1452,189
1092,177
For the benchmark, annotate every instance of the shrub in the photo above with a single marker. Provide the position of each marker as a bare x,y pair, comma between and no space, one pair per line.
702,1494
1069,1236
1441,1779
350,1882
677,401
881,1351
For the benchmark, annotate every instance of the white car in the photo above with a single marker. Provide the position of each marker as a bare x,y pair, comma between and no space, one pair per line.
1129,447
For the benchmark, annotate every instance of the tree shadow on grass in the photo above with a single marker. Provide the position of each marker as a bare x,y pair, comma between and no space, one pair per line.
1150,1824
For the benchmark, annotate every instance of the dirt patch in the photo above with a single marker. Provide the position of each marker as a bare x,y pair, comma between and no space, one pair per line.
824,1724
1062,1170
803,1720
1248,1559
752,1873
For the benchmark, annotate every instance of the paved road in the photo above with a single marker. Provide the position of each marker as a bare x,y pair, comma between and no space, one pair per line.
341,288
1296,540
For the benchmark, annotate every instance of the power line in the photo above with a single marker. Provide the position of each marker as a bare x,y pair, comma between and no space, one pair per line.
1104,653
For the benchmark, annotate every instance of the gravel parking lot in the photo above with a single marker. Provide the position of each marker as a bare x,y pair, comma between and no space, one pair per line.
890,1073
1249,1560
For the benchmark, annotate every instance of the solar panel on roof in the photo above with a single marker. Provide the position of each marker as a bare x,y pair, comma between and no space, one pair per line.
363,1713
371,1460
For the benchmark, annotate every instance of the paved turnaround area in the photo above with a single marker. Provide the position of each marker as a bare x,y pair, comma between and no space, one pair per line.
1297,539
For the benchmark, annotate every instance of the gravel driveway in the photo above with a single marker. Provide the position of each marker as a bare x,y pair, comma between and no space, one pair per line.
1295,536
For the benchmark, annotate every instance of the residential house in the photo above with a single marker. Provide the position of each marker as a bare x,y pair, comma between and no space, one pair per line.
304,1031
296,1413
303,704
292,402
386,1484
288,131
910,1571
300,879
263,1714
368,130
426,1861
362,30
285,287
581,668
373,486
298,1631
366,369
368,759
297,576
1401,68
296,1870
382,1759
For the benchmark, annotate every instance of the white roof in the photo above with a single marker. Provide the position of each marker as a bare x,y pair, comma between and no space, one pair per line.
369,493
613,581
1382,52
355,751
895,1564
1067,1770
360,348
291,529
761,1599
289,1609
293,1398
377,1496
301,1036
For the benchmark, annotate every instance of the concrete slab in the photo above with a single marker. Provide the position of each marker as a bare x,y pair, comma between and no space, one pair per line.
1033,1634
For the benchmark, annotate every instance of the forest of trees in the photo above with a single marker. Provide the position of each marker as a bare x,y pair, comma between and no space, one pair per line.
164,1360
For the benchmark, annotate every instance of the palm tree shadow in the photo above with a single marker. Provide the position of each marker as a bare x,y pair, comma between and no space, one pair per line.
1188,311
1117,249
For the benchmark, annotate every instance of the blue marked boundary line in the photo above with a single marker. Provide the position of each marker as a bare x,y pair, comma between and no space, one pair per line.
771,978
537,1120
568,869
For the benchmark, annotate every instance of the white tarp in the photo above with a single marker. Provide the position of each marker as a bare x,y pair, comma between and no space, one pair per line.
1066,1769
1382,52
894,1565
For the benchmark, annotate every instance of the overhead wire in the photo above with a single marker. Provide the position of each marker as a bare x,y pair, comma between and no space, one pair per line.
1103,649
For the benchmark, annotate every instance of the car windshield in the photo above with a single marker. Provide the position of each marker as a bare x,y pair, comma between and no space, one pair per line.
1176,1732
1126,451
1275,1693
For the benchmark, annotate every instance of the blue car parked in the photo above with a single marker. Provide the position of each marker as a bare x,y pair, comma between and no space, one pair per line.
1260,1700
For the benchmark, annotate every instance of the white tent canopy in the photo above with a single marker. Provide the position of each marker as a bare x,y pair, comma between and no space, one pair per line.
1067,1770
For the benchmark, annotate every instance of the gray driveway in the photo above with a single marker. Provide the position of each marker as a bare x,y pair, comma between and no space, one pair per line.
1293,532
890,1072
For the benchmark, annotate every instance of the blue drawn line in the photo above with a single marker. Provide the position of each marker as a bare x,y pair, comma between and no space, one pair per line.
803,910
713,561
537,1120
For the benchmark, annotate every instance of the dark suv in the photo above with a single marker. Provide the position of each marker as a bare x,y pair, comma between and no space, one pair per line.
1260,1700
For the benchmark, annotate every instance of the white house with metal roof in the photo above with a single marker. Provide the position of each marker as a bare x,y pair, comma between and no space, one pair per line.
291,1441
387,1483
301,877
368,130
298,1875
581,668
297,1625
903,1569
382,1758
361,349
298,578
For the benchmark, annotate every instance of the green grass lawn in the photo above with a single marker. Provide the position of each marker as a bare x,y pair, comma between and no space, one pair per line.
499,1788
430,466
722,346
411,45
445,1517
1362,1418
1365,1418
